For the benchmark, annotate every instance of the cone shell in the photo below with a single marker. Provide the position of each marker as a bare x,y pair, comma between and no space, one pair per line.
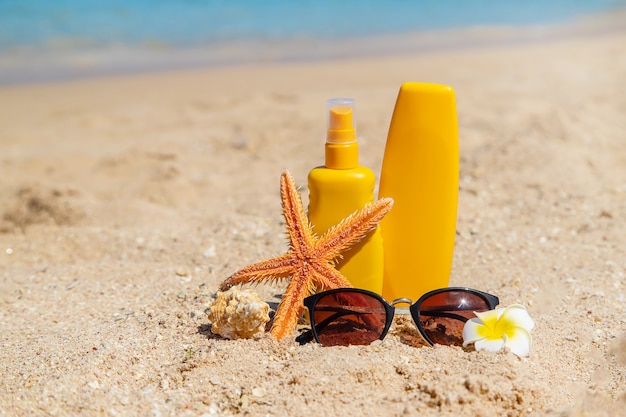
237,314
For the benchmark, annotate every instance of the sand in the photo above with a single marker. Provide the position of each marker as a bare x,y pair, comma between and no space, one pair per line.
125,201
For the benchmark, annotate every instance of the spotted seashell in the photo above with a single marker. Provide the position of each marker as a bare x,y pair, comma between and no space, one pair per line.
237,314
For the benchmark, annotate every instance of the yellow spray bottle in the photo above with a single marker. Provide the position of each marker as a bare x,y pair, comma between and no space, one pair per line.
341,187
420,172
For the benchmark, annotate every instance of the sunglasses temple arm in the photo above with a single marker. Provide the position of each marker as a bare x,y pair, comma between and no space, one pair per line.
307,336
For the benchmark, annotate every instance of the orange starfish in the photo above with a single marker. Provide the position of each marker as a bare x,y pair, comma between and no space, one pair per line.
310,260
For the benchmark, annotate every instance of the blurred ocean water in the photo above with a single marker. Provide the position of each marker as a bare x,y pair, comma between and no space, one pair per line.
90,32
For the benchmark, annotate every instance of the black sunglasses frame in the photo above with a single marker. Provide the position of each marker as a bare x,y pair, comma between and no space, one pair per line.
390,309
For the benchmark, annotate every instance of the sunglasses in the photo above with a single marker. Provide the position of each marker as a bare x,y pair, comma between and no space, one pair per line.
351,316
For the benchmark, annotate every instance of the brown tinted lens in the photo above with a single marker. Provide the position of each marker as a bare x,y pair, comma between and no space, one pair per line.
349,318
443,315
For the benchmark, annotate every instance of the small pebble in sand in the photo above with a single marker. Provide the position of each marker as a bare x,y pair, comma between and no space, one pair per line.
258,392
210,252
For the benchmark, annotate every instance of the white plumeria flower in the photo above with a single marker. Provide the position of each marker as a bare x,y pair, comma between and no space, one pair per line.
503,327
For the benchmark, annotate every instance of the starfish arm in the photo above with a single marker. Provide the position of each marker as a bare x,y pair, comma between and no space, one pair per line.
301,236
309,261
352,229
273,269
327,277
291,305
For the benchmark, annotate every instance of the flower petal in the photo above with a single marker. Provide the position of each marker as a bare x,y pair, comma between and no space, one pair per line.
519,342
489,317
517,315
473,330
492,345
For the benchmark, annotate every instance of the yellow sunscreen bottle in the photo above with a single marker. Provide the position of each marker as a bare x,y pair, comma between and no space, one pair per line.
420,171
341,187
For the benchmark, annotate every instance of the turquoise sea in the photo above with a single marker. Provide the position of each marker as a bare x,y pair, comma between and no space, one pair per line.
47,40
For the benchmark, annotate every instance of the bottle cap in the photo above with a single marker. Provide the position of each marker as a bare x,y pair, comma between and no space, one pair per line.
341,126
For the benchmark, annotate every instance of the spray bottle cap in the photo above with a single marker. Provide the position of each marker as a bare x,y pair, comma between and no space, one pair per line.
341,126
